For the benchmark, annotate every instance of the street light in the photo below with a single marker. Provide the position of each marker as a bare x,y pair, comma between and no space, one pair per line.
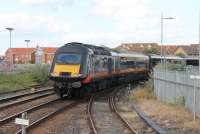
27,41
161,41
10,30
199,41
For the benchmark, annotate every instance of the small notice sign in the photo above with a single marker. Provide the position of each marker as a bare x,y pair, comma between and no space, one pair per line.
21,121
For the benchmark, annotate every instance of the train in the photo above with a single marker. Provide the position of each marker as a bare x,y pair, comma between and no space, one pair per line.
79,69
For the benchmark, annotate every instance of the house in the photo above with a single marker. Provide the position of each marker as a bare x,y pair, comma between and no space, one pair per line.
187,50
138,47
191,50
169,49
28,55
142,47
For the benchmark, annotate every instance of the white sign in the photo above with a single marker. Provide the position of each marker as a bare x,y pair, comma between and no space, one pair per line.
194,77
21,121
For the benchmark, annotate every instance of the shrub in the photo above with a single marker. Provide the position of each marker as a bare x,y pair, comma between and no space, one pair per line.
178,66
145,91
40,73
17,80
180,100
149,51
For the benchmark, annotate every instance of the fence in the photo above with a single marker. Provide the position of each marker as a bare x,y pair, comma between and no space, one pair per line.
16,68
177,87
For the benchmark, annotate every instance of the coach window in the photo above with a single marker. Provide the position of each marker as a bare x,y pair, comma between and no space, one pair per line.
123,61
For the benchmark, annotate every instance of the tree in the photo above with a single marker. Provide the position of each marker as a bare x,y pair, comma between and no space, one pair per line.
180,54
149,51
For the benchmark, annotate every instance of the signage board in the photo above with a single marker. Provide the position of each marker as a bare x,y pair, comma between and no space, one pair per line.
21,121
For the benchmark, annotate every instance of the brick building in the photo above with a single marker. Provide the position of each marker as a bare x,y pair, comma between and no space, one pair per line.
138,47
187,50
27,55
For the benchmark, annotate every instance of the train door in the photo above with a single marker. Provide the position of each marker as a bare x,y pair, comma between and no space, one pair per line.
90,65
110,65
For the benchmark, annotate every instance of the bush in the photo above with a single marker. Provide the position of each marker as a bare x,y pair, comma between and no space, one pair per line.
145,91
40,73
180,100
14,81
150,51
172,66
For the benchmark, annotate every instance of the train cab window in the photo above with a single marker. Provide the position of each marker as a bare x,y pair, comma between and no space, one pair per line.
68,59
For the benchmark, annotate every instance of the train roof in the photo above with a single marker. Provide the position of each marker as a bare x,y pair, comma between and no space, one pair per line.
126,53
172,57
136,55
98,50
95,49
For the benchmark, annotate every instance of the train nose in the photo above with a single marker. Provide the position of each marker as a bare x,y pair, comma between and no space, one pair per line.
67,71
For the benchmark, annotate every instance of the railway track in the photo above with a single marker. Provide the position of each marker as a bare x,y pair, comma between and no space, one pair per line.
150,123
90,116
97,127
146,124
14,95
21,99
47,110
10,118
50,115
120,117
36,115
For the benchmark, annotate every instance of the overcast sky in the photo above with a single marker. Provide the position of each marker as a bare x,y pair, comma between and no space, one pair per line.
100,22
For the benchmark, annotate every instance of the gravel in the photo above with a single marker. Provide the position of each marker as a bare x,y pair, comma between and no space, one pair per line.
105,121
71,121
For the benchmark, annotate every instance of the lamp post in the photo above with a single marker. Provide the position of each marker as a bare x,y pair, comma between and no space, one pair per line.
10,30
27,41
199,41
163,62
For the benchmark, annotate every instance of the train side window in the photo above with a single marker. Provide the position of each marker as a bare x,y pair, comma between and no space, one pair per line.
140,64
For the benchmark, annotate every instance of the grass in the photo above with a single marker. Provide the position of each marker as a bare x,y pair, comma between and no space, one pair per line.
177,115
145,91
15,81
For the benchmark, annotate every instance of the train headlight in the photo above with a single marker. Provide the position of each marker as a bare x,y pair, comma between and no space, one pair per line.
76,75
54,74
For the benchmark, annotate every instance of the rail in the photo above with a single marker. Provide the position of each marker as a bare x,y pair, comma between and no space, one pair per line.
90,117
25,100
24,94
12,117
46,117
148,121
114,110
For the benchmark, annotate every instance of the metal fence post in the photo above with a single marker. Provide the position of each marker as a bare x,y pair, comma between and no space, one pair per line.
162,81
175,85
24,116
165,82
194,100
